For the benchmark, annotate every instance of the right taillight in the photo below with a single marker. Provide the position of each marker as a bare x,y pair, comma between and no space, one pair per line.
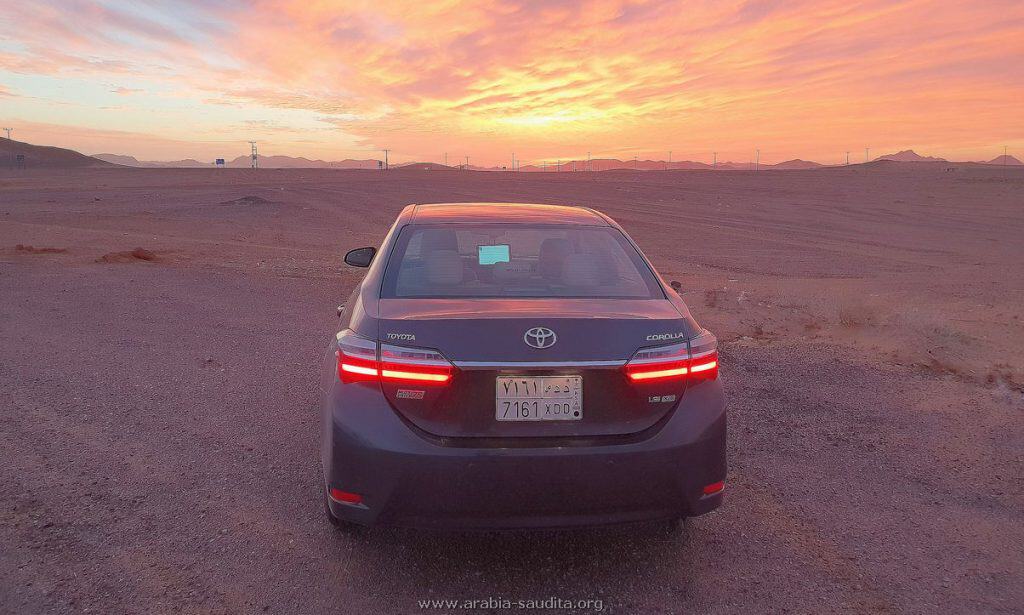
704,357
361,359
693,360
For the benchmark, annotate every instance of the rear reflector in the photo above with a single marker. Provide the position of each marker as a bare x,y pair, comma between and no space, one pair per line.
714,488
345,497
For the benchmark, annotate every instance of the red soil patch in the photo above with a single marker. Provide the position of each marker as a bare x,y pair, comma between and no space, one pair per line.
138,254
33,250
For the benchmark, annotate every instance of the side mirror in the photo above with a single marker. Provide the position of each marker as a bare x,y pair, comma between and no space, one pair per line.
360,257
675,285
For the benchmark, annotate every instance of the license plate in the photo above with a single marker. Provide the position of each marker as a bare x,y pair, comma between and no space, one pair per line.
538,398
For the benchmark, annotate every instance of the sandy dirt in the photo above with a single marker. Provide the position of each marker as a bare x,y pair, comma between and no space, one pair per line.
160,334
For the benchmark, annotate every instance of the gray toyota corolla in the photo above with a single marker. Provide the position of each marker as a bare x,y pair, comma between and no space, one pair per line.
510,365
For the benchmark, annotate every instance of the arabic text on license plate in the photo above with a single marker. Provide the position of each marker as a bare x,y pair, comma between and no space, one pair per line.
538,398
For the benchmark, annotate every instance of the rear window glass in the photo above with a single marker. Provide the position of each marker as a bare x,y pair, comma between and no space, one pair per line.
517,260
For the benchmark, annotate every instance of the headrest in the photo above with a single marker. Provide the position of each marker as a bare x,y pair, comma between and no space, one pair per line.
443,267
551,258
438,239
581,271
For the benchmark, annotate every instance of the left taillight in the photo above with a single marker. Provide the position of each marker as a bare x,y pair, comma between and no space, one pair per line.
357,357
420,365
361,359
693,360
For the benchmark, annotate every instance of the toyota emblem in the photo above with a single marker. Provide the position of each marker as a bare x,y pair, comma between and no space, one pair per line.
540,337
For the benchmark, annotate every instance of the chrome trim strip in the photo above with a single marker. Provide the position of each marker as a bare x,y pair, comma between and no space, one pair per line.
531,364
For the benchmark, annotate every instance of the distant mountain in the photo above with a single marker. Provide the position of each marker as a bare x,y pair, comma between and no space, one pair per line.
288,162
41,156
422,166
131,161
796,164
613,164
1007,160
909,155
241,162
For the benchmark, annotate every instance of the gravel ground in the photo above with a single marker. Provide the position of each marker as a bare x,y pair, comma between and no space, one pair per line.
160,425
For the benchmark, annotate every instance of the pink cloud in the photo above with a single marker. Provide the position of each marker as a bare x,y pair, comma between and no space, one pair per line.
809,77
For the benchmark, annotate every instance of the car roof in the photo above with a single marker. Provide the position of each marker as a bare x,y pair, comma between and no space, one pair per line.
505,212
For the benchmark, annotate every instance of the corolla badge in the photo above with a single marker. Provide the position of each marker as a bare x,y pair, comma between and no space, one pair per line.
540,337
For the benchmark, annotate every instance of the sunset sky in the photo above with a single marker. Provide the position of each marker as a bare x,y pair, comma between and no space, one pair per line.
551,79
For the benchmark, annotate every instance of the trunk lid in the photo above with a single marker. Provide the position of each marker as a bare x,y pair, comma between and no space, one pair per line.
484,338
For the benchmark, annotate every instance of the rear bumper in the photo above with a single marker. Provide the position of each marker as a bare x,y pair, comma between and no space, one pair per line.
407,480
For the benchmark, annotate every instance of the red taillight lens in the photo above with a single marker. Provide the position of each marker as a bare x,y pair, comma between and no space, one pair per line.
357,358
714,488
346,497
420,365
696,360
360,358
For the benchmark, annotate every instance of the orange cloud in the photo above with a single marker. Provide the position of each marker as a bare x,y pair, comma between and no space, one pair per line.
560,78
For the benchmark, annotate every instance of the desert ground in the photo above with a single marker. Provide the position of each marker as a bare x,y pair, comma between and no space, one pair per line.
161,332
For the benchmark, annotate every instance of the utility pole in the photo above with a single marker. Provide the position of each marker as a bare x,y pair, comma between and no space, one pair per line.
847,158
589,167
467,163
866,150
757,159
634,161
8,131
255,155
714,162
669,160
386,159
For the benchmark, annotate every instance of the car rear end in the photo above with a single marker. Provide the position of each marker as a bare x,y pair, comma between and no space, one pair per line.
492,376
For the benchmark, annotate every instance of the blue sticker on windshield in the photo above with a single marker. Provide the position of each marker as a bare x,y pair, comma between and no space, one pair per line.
488,255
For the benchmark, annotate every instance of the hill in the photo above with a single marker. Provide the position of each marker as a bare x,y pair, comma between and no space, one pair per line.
289,162
796,164
131,161
909,155
1007,160
241,162
422,166
42,156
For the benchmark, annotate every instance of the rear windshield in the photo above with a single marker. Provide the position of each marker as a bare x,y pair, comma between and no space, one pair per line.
517,260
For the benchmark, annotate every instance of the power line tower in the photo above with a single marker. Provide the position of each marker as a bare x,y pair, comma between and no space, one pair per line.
8,131
386,159
255,155
847,158
714,162
467,163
